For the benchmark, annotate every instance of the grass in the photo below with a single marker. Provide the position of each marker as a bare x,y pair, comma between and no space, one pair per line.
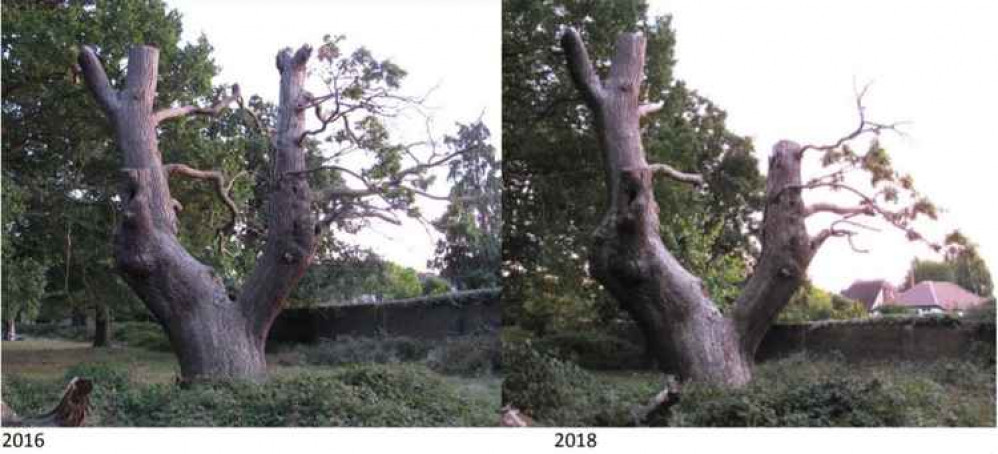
136,387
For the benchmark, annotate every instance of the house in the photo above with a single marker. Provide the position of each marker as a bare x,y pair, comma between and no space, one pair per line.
872,294
936,296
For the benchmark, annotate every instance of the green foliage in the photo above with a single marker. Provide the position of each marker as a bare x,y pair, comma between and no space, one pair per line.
358,350
811,304
469,253
56,141
969,269
928,270
433,285
558,392
554,191
804,392
350,274
400,282
797,391
466,356
371,395
593,350
146,335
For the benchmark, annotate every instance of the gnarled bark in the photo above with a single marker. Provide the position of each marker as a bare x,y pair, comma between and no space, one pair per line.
684,327
213,336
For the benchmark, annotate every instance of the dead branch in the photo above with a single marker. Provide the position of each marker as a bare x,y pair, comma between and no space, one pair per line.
96,80
213,110
580,67
864,127
220,187
649,109
671,172
822,207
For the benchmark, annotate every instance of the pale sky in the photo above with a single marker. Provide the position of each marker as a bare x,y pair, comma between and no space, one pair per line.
451,47
785,70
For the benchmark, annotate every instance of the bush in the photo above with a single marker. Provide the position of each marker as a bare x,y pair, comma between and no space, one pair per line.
357,350
558,392
55,330
802,391
594,350
370,395
146,335
467,356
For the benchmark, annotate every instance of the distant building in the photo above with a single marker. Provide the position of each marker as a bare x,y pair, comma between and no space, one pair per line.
872,294
936,296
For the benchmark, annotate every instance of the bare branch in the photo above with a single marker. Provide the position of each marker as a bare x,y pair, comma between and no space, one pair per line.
822,207
96,79
671,172
213,110
864,127
583,73
648,109
220,186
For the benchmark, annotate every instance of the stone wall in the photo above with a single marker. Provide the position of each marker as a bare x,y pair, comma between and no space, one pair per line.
885,338
916,339
436,317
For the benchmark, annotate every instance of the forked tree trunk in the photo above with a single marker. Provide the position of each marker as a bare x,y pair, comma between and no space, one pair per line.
686,331
213,336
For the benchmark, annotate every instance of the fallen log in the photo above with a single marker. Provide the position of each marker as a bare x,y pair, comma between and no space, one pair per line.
70,412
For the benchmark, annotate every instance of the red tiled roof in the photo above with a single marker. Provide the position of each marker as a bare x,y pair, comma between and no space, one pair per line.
866,292
945,295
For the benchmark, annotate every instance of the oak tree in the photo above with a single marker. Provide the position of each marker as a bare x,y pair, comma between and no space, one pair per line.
672,306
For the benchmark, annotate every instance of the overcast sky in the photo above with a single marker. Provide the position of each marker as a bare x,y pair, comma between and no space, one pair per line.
785,70
451,47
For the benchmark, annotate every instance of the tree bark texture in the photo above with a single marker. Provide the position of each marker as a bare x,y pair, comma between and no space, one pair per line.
9,329
213,336
684,328
102,325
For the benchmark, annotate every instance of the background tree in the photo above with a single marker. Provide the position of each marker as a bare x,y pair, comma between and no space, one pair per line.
961,265
554,184
67,162
672,306
927,270
969,269
469,254
23,276
812,304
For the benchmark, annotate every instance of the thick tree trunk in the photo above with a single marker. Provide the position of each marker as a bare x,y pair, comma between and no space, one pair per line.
687,333
9,330
78,317
214,337
102,325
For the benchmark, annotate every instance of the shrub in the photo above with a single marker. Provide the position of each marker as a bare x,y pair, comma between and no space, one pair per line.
467,356
370,395
559,392
55,330
594,350
146,335
357,350
801,391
